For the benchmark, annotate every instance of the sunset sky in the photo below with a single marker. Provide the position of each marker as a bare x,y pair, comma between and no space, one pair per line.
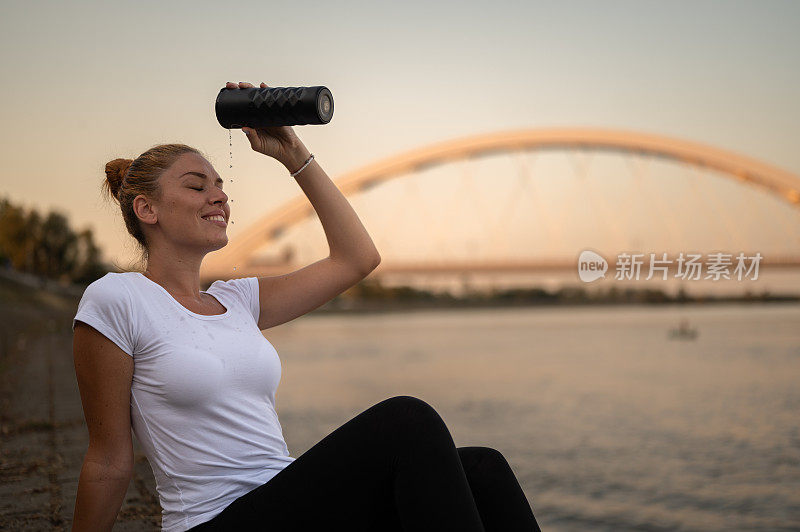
86,82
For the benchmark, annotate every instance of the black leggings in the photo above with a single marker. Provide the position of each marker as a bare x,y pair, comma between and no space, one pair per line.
392,467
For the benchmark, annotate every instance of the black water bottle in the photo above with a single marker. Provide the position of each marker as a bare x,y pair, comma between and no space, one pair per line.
273,106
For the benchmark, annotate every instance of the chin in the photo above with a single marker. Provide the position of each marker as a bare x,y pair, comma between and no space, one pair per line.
218,245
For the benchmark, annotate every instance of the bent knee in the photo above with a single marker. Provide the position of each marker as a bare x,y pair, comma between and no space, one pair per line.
411,409
406,402
482,456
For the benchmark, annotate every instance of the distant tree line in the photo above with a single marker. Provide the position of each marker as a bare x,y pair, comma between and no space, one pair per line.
47,246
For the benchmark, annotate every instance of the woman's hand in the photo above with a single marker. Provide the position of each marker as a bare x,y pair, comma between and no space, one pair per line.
279,142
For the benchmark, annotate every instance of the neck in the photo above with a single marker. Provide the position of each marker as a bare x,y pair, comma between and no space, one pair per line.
179,274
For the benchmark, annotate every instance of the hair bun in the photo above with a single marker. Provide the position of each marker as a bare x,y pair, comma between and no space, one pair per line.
115,173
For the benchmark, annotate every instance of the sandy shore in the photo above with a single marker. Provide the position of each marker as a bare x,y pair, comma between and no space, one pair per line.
43,436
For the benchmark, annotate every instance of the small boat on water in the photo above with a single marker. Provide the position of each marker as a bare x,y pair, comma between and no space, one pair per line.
683,331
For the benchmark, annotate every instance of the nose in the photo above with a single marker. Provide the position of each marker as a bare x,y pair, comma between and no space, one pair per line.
219,196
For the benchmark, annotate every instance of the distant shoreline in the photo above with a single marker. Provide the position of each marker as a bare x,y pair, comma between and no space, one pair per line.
371,297
372,307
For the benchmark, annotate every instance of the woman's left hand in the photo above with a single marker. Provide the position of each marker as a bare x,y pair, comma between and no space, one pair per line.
278,141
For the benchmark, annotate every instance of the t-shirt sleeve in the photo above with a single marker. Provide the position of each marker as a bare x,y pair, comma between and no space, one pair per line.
106,306
245,289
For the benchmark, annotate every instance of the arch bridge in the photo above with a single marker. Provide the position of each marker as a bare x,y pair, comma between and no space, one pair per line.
240,251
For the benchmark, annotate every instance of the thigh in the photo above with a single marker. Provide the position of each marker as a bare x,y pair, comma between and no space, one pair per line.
494,488
500,499
344,481
486,470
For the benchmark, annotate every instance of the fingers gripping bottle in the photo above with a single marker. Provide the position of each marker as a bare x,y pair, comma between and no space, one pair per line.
273,106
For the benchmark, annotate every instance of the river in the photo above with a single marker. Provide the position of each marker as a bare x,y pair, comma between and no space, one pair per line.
608,423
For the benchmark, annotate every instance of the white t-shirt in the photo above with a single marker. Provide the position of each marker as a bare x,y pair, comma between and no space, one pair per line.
203,390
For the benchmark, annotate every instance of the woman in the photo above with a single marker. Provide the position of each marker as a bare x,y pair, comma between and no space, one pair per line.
191,373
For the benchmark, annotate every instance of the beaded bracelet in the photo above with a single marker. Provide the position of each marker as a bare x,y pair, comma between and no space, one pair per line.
308,161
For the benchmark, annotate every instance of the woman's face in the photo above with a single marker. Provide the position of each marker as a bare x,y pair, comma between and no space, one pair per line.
191,192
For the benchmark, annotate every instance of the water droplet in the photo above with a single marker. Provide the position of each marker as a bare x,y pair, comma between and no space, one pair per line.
230,143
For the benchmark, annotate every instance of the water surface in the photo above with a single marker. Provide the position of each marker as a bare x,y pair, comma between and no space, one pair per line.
608,424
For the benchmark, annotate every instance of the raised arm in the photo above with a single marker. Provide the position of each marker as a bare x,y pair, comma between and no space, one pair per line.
352,254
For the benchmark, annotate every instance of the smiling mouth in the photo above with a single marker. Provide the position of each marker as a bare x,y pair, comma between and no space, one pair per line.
216,221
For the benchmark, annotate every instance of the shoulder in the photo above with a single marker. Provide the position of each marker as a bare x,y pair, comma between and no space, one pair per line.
111,290
110,284
243,289
107,306
242,285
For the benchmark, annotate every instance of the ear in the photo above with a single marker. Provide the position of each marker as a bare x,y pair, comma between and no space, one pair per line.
144,210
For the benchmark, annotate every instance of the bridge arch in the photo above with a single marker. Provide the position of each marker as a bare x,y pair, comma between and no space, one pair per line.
781,183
